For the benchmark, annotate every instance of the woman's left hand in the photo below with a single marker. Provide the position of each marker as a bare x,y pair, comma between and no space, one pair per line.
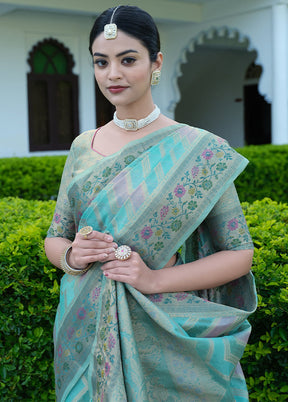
132,271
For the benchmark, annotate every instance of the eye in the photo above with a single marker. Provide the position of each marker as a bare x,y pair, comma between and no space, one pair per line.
128,60
100,62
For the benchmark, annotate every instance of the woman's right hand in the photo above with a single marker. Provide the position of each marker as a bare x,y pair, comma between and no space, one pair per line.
95,246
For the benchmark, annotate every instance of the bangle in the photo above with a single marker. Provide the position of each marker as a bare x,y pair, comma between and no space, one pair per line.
66,267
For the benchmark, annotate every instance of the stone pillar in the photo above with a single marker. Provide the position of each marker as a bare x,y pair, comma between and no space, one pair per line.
280,74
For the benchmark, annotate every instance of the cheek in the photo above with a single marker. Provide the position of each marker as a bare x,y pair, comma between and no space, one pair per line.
98,77
144,77
96,73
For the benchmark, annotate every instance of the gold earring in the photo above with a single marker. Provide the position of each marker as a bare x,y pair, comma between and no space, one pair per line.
155,78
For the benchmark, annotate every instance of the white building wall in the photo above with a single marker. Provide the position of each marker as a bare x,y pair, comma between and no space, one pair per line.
254,27
212,93
25,30
13,121
20,31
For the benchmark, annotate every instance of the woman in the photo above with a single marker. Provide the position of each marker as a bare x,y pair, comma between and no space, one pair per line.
167,321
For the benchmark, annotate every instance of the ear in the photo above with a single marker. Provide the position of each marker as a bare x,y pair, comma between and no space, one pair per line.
157,64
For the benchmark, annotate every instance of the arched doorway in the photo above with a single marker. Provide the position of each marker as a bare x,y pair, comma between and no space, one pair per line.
257,112
212,84
52,97
104,109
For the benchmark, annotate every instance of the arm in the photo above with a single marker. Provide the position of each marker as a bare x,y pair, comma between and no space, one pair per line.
54,248
61,233
208,272
232,259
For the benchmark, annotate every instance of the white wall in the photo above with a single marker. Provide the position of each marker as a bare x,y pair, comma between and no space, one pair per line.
212,92
24,30
253,28
19,32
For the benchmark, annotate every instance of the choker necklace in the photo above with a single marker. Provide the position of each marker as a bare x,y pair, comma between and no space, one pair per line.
133,124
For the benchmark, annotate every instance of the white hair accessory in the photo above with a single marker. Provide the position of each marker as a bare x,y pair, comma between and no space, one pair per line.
110,30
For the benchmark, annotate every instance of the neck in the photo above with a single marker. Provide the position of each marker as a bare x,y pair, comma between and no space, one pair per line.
132,124
137,110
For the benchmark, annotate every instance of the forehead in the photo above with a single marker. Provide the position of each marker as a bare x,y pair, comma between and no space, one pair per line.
121,43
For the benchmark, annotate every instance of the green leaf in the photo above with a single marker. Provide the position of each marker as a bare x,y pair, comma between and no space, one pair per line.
284,389
3,372
283,334
38,332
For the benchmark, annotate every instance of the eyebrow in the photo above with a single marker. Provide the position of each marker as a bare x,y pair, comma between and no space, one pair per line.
117,55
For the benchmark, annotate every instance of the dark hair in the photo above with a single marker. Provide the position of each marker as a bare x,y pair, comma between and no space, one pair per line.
133,21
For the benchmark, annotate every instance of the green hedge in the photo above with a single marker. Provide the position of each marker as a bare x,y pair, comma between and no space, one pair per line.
265,360
38,178
265,175
35,178
29,296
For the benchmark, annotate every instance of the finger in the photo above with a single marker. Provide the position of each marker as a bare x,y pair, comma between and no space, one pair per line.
115,264
111,256
133,260
117,275
96,252
105,257
94,244
99,246
105,237
99,258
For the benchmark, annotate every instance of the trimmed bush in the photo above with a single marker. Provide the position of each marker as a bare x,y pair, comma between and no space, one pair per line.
38,178
29,294
35,178
265,359
29,291
265,175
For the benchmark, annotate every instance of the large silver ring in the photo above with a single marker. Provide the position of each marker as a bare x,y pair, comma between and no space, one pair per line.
85,231
123,253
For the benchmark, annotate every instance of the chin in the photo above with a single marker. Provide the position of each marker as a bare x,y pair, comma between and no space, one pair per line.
120,102
116,99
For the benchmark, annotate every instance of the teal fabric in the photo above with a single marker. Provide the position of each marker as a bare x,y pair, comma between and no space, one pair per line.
173,190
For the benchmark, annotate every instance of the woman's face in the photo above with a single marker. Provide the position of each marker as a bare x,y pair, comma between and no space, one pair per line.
122,69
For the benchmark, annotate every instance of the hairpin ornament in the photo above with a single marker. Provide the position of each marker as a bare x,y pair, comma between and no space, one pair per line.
110,30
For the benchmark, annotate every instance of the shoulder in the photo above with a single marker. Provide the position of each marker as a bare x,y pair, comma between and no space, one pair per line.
81,145
211,141
83,139
208,135
202,133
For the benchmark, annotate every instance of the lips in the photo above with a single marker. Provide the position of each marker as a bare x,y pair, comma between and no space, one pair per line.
116,89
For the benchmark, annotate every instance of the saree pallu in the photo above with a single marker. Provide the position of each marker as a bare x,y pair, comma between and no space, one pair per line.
113,343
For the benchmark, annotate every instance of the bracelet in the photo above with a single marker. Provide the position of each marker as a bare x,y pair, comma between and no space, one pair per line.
66,267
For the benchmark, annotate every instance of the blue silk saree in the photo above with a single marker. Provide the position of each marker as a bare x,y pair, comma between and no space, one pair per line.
169,192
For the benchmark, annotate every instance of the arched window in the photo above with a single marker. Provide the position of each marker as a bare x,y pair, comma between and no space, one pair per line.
52,97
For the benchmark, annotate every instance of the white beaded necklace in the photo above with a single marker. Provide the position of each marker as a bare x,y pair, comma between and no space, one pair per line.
133,124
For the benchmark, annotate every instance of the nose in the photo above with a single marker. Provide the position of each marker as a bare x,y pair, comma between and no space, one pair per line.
114,72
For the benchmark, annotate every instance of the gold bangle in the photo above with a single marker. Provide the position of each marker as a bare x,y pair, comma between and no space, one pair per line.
66,267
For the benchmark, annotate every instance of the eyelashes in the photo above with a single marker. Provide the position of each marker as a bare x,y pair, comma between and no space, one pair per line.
100,63
126,61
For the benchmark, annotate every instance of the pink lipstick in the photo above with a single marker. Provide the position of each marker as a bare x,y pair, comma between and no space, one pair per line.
116,89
